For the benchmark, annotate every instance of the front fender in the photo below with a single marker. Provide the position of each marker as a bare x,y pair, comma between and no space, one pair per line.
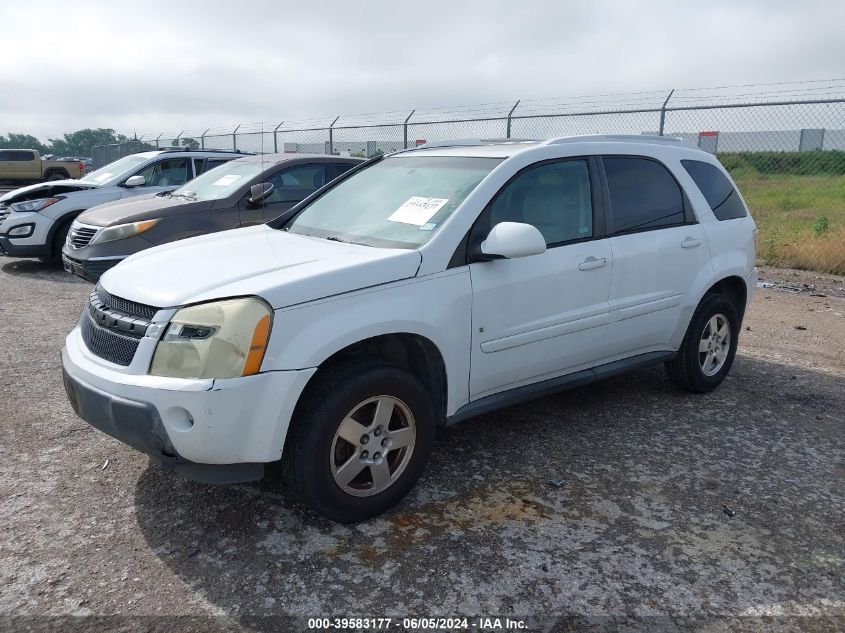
437,307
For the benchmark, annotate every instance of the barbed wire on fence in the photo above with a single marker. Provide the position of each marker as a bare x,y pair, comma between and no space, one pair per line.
783,143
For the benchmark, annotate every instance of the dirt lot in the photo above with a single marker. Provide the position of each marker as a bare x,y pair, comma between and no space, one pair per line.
670,507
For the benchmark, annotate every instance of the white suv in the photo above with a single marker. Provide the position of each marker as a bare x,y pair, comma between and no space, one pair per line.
417,290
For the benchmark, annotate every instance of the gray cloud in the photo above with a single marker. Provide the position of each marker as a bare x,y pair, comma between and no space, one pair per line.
151,67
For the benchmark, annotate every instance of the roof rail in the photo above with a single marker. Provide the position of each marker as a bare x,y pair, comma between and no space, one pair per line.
625,138
472,142
199,149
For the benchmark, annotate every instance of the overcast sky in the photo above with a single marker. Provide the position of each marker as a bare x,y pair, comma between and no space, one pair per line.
169,66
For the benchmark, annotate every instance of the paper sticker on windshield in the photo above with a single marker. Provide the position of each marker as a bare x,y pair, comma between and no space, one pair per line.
225,181
417,210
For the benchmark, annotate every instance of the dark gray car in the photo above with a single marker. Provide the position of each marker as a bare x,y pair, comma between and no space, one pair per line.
240,193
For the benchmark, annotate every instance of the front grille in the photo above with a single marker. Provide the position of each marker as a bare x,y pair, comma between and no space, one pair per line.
80,236
129,308
108,344
113,327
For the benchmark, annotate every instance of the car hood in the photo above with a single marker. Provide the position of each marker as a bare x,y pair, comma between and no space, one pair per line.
137,208
45,190
283,268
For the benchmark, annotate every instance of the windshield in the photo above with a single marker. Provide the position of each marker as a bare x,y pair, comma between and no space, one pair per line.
114,170
221,181
396,203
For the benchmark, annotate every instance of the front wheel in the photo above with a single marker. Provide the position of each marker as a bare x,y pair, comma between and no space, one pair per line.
360,440
709,346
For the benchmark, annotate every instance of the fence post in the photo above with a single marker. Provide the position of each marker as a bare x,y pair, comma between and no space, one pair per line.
202,139
331,135
663,111
510,114
158,137
276,138
178,137
405,127
235,138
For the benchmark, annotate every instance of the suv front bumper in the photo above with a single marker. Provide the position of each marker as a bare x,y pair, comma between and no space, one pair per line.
218,431
89,269
37,244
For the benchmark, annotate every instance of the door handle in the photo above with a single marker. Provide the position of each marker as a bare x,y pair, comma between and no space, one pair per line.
690,242
591,262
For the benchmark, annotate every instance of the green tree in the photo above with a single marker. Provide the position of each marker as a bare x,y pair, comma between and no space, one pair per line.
79,143
22,141
190,143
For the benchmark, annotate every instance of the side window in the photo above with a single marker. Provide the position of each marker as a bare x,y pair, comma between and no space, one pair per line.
169,172
198,166
211,163
297,183
717,189
22,156
643,194
554,197
340,168
5,154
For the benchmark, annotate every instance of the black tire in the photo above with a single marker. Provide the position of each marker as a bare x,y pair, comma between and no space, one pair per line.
55,175
685,370
309,449
59,238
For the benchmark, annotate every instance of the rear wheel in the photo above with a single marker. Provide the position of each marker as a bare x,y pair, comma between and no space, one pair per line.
57,176
360,440
709,346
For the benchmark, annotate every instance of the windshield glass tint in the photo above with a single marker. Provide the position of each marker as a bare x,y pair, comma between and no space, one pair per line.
221,181
114,170
396,203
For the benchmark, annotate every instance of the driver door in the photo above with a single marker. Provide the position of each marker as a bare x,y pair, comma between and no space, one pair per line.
541,316
162,175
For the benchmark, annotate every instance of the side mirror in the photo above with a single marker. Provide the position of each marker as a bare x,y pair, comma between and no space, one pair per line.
512,240
135,181
260,192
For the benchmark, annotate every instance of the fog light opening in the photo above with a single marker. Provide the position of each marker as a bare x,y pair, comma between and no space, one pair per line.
23,230
179,419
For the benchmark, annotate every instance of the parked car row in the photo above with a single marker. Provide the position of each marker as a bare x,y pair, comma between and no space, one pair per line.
35,221
412,291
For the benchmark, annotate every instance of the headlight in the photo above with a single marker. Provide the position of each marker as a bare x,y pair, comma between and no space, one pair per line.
222,339
33,205
122,231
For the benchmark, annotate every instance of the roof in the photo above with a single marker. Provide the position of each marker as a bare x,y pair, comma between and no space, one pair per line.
281,158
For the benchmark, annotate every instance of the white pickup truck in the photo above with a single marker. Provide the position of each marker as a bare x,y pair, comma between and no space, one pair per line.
417,290
35,220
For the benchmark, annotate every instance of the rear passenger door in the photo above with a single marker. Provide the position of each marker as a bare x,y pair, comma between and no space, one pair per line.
25,165
658,252
537,317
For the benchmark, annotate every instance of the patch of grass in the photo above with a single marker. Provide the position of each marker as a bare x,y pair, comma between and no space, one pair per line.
801,217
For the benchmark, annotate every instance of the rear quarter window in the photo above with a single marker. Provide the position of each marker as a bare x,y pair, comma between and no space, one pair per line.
716,189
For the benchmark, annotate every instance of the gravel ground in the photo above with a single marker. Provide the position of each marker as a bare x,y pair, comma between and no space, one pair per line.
669,506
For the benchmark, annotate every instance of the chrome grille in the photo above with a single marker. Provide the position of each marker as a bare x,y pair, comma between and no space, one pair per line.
113,327
80,236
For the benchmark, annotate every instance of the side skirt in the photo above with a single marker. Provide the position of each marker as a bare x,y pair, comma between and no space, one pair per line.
553,385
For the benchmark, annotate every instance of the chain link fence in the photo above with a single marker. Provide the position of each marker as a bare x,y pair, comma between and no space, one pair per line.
783,144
